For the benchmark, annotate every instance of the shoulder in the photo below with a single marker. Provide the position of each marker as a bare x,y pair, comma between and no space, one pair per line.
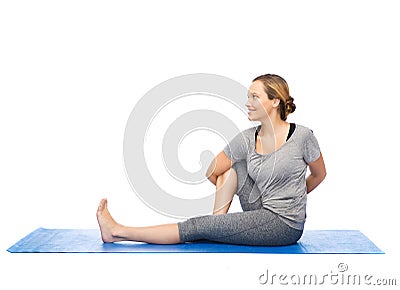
303,129
308,143
304,132
248,133
244,137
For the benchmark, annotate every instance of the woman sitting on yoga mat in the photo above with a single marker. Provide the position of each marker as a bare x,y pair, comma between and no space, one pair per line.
265,166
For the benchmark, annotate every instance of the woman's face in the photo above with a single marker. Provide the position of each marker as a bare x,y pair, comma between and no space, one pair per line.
258,103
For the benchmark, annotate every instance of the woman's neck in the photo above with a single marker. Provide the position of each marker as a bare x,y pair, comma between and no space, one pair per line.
271,126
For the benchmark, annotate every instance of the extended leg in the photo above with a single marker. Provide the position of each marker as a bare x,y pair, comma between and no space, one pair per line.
111,231
254,227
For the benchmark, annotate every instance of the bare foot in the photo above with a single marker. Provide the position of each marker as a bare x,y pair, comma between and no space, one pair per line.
108,226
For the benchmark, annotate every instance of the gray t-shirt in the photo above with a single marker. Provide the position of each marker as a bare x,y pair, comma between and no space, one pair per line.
280,176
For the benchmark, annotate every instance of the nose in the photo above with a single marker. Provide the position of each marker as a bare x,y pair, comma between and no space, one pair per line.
248,104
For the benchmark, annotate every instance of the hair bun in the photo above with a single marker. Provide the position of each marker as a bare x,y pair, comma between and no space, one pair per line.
290,106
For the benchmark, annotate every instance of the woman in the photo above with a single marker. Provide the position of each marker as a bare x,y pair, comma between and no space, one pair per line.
265,166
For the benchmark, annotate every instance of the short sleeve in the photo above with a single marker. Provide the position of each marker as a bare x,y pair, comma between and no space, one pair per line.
238,148
311,147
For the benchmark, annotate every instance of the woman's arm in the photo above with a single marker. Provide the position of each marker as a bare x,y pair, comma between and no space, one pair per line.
218,166
317,173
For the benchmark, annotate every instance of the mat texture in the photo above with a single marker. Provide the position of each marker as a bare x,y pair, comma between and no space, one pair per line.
89,241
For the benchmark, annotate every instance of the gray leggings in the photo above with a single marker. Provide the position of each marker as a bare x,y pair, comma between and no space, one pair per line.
256,225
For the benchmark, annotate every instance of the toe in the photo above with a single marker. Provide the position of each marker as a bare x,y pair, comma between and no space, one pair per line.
101,205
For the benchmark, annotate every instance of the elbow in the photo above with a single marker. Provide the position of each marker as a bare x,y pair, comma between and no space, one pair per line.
324,173
212,178
319,177
322,176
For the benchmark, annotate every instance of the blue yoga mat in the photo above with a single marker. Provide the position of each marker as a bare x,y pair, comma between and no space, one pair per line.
89,241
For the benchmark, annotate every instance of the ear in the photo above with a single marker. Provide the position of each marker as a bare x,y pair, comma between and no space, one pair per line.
275,102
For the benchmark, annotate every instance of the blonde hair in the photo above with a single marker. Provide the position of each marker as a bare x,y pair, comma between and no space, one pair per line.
277,88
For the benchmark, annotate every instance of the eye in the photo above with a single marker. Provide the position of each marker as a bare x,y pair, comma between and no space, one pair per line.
253,96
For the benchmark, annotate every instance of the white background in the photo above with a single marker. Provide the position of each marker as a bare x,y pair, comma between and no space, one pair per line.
72,71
